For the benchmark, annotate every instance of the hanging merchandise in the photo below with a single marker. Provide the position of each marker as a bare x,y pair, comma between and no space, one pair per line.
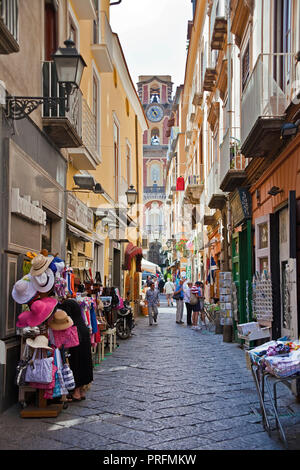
225,298
62,331
24,290
44,282
180,184
67,373
40,264
262,297
39,368
39,312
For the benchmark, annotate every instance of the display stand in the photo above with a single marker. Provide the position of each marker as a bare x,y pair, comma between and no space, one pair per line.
41,410
263,383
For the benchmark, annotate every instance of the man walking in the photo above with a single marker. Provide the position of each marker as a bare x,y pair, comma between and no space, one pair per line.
152,299
169,291
179,300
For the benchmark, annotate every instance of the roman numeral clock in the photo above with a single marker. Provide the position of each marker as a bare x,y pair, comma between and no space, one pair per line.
155,113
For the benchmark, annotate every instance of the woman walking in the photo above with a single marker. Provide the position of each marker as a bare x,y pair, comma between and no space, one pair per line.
187,298
195,291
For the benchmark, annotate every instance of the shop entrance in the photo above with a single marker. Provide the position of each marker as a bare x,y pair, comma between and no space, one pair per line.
284,275
117,268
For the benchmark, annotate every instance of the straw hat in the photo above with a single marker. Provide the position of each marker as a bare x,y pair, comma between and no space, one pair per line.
44,282
39,264
60,321
38,342
40,311
23,290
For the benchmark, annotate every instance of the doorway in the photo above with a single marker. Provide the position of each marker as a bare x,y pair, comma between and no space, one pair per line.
117,268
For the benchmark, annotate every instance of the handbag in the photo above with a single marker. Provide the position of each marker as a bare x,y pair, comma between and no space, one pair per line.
39,370
60,387
177,296
21,368
194,299
68,338
67,373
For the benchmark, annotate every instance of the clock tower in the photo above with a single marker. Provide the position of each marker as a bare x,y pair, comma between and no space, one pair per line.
155,93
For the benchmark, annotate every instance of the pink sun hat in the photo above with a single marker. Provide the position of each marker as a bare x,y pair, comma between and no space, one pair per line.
40,311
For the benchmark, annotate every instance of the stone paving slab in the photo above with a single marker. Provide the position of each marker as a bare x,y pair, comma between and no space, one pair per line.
166,388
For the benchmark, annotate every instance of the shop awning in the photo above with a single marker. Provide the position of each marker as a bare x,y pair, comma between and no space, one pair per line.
149,266
131,252
78,233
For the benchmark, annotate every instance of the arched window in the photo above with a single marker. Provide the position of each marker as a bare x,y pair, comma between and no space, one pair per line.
155,94
155,136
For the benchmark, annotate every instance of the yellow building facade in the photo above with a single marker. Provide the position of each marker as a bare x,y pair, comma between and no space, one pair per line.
113,123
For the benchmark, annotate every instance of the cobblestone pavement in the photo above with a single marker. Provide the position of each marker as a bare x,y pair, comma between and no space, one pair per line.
166,388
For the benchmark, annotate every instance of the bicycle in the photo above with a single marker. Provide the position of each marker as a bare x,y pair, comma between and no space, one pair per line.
210,312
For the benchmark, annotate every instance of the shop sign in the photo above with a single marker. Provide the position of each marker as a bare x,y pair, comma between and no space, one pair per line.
24,207
80,213
240,206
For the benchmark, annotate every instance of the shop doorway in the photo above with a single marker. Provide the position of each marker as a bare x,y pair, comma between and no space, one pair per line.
286,320
117,268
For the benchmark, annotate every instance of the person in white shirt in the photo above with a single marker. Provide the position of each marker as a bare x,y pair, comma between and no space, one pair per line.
169,291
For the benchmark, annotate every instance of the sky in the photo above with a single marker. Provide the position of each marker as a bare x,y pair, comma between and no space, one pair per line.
153,35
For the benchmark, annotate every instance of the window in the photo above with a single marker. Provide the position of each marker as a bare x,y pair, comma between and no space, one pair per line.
262,244
50,30
245,65
116,159
128,164
155,136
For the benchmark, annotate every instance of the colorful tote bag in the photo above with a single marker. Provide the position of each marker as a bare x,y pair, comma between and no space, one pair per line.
39,370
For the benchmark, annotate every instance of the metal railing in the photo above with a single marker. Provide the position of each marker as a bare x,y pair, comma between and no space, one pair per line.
9,13
268,91
195,180
51,88
230,154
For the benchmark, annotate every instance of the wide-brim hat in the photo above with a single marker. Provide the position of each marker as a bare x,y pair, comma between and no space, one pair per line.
39,264
40,311
44,282
60,321
24,290
38,342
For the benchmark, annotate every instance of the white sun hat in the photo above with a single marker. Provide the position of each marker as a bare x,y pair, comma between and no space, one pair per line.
24,290
44,282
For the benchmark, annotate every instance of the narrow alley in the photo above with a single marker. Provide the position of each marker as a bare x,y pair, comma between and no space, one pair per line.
167,387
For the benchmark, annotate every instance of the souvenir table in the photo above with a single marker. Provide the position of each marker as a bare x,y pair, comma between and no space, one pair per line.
273,363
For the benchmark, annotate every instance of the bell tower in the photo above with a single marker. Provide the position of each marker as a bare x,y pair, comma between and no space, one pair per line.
155,93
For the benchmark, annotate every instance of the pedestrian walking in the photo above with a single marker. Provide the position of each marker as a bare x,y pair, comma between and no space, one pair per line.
169,291
201,300
152,299
178,296
196,307
161,284
149,280
187,298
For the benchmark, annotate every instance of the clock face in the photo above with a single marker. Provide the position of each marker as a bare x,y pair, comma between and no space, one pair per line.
155,113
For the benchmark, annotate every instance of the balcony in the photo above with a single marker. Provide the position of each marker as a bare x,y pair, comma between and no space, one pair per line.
9,26
219,33
215,195
210,78
63,127
86,10
264,101
154,192
87,157
197,99
103,47
232,163
194,186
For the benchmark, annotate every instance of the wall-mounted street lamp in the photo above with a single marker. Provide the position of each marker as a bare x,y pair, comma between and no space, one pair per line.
87,183
131,195
69,66
274,191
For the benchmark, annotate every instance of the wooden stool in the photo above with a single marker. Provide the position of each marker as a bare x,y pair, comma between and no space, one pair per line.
111,332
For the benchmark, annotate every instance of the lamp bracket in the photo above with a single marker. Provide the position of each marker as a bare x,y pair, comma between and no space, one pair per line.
18,107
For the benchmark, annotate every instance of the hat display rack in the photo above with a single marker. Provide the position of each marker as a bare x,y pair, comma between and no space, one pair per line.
45,328
45,331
